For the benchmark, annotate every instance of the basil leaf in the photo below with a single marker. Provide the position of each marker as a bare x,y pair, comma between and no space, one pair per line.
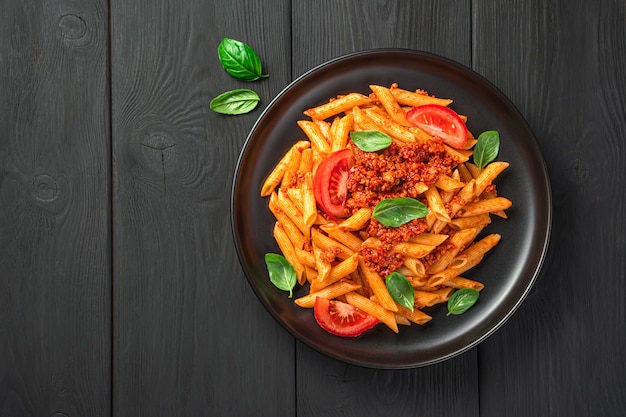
238,101
487,147
370,140
395,212
461,300
282,273
239,60
400,290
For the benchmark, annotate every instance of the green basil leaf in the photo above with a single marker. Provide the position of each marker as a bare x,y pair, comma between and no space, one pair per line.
487,147
461,300
370,140
395,212
400,290
238,101
239,60
282,273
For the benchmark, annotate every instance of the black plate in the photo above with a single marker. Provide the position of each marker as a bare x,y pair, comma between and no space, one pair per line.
508,271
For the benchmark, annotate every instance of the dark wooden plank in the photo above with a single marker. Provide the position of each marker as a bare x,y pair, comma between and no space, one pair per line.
54,209
562,65
326,29
190,336
326,387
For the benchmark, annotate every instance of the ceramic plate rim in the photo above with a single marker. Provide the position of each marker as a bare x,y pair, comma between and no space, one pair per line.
402,356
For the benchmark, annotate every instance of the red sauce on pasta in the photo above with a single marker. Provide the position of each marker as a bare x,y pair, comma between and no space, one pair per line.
393,173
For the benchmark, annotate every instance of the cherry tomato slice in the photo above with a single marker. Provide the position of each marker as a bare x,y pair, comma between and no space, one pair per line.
441,122
342,319
329,183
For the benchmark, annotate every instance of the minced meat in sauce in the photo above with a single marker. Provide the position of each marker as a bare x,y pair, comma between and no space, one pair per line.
393,173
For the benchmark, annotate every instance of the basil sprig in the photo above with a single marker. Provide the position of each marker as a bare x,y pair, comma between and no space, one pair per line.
487,147
400,290
370,140
461,300
238,101
239,60
395,212
282,273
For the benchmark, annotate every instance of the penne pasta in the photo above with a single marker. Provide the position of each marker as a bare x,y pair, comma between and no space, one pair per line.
420,282
340,131
347,255
415,267
377,285
337,272
310,273
293,231
490,205
327,243
420,188
413,99
362,120
431,239
465,175
374,309
357,220
324,128
290,177
452,271
276,176
473,169
475,252
447,183
322,264
470,222
413,250
487,175
306,258
457,243
460,282
315,135
331,291
387,125
444,293
286,247
435,204
402,321
309,206
389,103
306,161
460,154
295,196
416,316
285,204
426,298
337,106
346,238
420,135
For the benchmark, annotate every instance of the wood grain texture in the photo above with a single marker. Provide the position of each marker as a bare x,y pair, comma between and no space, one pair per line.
325,29
327,387
190,337
120,289
54,209
559,62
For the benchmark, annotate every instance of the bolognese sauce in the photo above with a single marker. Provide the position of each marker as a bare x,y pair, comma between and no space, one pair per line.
394,172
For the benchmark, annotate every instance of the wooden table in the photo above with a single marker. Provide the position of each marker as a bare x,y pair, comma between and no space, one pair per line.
120,290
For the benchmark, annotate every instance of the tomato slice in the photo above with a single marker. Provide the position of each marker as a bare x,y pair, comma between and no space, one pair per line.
342,319
441,122
329,183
